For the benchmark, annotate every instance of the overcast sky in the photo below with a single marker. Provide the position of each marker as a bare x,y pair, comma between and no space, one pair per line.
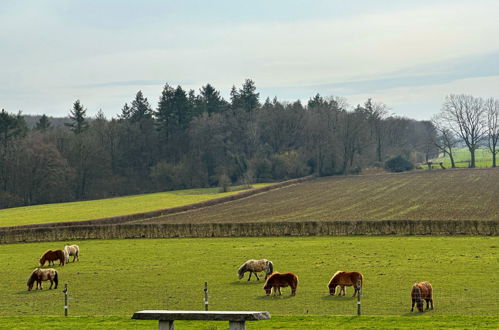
406,54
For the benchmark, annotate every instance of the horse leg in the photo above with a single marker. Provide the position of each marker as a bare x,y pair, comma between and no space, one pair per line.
413,302
51,282
431,301
250,275
279,289
257,276
427,304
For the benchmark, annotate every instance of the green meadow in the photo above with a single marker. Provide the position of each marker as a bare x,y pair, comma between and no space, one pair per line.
277,322
102,208
119,277
483,158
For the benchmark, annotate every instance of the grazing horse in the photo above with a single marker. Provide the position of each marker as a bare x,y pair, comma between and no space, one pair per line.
343,279
420,291
52,255
277,281
39,275
253,266
72,250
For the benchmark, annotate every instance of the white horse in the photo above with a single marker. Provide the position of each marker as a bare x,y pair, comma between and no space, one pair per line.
72,250
253,266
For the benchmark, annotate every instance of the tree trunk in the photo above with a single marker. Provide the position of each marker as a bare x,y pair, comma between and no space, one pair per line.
452,163
494,158
472,154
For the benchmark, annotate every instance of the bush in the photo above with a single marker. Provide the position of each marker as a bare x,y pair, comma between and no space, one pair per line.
398,164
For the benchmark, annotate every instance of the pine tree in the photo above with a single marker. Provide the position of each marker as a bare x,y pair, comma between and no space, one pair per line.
140,109
79,124
43,124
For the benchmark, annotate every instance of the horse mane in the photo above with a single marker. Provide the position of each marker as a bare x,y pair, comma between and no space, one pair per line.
33,277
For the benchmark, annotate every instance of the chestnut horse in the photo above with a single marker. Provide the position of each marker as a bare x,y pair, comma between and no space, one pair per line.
39,275
344,279
420,291
72,250
277,281
52,255
253,266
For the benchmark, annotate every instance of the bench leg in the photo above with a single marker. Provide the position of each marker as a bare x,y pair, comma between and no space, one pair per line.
166,325
237,325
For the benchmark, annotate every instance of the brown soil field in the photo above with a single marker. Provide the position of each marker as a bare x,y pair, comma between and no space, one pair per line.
460,194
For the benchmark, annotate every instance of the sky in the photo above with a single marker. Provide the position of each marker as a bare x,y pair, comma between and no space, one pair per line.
406,54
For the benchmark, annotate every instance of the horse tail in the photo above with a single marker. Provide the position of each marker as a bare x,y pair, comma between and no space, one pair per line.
270,269
56,279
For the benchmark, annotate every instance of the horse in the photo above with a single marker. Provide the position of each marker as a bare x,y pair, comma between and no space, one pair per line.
277,281
52,255
253,266
39,275
420,291
343,279
72,250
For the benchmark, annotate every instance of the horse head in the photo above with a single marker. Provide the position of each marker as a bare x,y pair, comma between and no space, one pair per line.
241,271
267,288
32,279
416,295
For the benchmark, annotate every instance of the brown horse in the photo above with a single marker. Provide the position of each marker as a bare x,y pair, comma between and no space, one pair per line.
39,275
277,281
422,291
253,266
52,255
344,279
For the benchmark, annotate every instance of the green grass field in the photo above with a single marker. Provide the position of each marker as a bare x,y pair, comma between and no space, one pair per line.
483,158
119,277
416,321
109,207
459,194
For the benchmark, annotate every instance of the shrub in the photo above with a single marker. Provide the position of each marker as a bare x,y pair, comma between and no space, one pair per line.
398,164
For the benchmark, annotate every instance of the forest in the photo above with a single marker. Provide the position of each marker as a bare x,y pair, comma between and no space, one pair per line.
198,139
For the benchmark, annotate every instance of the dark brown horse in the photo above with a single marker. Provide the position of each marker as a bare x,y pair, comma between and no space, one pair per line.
344,279
277,281
422,291
52,255
39,275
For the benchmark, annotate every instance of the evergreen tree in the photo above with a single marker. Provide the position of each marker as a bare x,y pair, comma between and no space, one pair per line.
248,98
140,109
79,124
43,124
211,101
125,112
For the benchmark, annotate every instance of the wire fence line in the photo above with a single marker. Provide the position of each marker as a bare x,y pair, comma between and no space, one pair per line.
464,301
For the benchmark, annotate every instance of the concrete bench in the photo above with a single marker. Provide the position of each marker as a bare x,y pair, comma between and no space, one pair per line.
166,318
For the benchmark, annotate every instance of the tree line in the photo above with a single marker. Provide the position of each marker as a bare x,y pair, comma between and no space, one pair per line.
198,139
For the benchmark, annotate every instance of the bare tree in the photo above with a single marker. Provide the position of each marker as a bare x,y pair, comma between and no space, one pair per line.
492,110
464,114
445,140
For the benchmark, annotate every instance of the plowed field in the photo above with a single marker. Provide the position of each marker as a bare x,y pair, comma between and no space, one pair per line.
461,194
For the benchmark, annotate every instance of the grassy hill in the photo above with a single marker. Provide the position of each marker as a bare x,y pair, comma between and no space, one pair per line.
460,194
109,207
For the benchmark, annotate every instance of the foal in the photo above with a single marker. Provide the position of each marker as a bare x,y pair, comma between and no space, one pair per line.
277,281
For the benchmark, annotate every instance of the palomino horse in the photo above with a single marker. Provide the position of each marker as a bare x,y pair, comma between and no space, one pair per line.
344,279
72,250
420,291
39,275
253,266
52,255
277,281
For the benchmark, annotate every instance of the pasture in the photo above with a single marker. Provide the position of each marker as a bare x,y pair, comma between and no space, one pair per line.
118,277
459,194
483,158
102,208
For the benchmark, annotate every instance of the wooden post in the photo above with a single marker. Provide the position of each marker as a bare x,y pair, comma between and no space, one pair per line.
65,291
205,296
359,292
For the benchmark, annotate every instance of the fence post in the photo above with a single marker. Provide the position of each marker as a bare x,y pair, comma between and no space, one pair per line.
65,291
205,296
359,292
